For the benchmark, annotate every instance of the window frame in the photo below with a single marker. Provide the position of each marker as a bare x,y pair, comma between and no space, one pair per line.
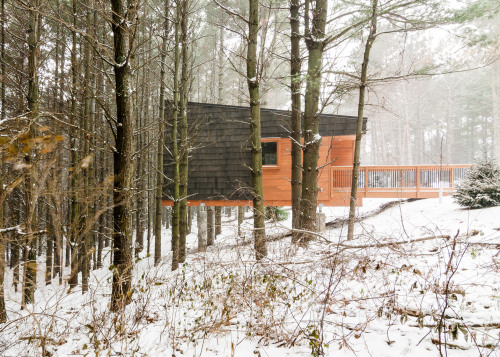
278,149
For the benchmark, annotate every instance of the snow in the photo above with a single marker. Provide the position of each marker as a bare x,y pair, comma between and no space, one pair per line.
354,298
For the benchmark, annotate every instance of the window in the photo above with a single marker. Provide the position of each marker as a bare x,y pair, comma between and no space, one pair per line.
270,153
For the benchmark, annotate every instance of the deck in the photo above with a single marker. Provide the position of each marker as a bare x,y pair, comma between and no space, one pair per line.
421,181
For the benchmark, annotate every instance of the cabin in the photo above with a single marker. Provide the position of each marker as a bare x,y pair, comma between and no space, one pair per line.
220,156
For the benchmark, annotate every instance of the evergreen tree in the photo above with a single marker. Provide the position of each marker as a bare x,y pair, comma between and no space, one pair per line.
481,187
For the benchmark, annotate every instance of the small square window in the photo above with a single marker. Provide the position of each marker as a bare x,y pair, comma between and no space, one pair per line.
270,153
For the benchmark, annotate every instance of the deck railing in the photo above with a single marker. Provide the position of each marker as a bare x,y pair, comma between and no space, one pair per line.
410,181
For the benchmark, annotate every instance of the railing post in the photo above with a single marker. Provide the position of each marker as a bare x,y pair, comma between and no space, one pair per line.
366,181
452,178
418,181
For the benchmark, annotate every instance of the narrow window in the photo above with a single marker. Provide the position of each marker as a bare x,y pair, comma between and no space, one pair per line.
270,153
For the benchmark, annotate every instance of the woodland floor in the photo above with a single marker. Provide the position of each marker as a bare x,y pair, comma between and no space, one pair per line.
419,278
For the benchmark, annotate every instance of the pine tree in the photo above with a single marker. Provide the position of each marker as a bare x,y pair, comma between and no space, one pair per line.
481,187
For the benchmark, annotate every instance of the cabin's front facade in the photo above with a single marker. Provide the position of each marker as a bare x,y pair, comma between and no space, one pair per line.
220,156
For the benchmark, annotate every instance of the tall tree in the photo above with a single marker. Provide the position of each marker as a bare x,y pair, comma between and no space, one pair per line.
75,206
296,117
255,138
161,137
183,132
359,125
124,13
175,151
30,267
315,41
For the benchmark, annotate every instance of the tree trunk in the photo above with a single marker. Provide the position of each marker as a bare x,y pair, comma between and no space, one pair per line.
123,13
296,117
72,246
30,264
87,170
359,125
3,312
255,139
496,108
312,139
161,139
183,164
2,64
175,152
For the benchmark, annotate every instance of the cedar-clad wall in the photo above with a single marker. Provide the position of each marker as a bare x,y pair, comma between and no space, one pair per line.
334,151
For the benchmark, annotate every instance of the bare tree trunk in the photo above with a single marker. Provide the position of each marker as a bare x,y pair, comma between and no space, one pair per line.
496,108
3,312
123,14
296,117
175,151
183,164
359,126
2,64
312,139
221,66
30,264
253,89
73,244
86,171
161,138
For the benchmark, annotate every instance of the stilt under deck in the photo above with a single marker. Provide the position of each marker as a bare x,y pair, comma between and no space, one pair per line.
421,181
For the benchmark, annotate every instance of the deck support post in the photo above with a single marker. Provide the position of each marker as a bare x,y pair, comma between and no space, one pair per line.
210,226
366,181
320,222
241,215
418,181
202,229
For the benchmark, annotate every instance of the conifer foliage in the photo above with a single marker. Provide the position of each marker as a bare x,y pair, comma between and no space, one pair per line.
481,186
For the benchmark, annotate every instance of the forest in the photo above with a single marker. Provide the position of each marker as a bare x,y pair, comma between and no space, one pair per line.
103,253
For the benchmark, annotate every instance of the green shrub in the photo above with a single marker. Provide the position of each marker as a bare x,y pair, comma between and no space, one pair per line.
276,213
481,186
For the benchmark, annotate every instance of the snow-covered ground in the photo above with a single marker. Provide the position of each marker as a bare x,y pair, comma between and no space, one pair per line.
419,277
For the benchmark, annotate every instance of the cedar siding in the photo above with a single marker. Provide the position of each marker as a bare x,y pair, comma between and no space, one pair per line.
220,157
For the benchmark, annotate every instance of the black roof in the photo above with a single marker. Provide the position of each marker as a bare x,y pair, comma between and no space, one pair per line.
220,156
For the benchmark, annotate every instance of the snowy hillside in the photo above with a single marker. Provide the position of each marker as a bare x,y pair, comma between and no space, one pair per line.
419,279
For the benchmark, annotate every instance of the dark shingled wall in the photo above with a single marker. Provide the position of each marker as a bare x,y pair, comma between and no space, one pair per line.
220,156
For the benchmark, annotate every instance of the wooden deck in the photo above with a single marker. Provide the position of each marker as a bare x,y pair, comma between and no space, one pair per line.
422,181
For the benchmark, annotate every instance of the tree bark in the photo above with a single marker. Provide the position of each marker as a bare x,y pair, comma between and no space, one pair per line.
73,244
86,171
30,264
123,13
496,108
161,139
312,139
255,139
296,117
183,134
175,151
3,312
359,124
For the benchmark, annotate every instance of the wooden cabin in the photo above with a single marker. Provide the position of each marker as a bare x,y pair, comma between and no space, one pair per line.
220,156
